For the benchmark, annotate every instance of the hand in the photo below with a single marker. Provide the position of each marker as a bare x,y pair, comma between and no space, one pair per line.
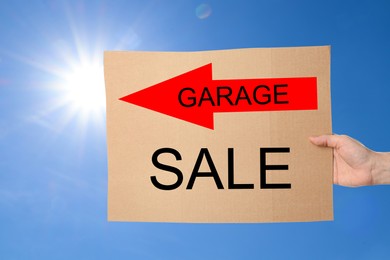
354,164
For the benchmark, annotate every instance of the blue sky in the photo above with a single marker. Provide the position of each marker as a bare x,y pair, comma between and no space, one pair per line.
53,161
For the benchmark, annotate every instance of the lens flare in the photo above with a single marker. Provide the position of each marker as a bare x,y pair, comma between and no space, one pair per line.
203,11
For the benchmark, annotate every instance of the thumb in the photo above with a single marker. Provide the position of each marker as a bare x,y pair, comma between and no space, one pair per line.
325,140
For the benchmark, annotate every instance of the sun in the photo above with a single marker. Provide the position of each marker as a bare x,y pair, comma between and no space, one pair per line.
83,85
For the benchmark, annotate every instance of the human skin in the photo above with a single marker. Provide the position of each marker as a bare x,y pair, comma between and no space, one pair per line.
354,164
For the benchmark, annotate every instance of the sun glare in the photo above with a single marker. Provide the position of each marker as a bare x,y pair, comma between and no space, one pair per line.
84,86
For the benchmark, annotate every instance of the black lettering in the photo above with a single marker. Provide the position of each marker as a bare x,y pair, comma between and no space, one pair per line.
277,93
226,96
264,167
245,96
203,97
204,152
233,185
190,98
168,168
267,96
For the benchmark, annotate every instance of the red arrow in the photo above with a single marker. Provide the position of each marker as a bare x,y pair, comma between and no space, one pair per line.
194,96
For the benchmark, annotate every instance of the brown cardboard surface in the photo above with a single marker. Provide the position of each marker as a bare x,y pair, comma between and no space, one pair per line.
134,134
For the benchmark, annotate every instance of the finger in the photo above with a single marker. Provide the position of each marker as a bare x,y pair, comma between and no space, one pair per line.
325,140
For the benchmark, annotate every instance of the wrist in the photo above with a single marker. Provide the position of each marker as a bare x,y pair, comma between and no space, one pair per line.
381,168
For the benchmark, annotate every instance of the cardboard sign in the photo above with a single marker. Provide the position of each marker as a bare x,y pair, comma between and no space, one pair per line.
219,136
